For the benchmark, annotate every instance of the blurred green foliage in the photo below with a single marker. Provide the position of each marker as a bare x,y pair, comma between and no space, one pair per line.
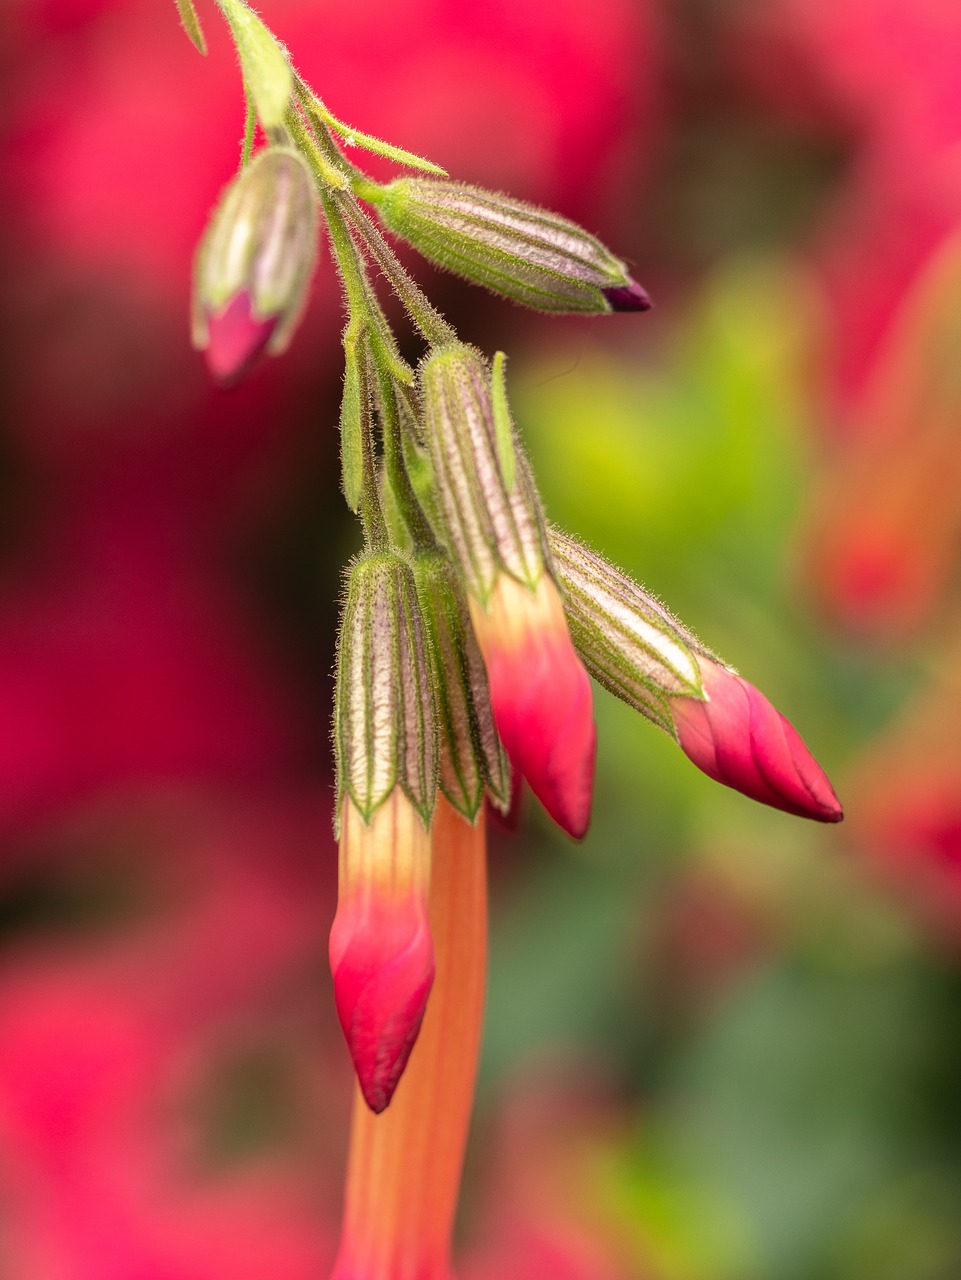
795,1113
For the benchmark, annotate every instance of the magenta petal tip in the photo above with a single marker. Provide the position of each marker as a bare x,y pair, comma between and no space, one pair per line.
382,974
738,738
628,297
236,340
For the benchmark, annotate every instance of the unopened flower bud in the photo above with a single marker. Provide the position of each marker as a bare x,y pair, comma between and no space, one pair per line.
254,263
381,952
525,253
493,525
639,652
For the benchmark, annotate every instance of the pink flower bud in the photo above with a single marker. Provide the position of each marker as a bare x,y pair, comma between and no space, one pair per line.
540,696
738,738
254,263
381,952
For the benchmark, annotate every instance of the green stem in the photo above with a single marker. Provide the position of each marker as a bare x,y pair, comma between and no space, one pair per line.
357,288
365,307
394,462
327,170
424,314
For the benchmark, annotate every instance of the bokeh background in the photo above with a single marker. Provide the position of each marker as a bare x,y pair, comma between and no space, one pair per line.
722,1044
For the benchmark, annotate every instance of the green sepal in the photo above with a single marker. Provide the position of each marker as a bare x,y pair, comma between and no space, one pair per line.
472,759
366,142
503,423
627,640
354,422
191,24
385,730
266,71
488,527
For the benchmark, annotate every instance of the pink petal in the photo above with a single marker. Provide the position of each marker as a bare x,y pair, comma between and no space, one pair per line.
236,340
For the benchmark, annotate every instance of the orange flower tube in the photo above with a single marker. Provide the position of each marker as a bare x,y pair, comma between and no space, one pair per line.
404,1166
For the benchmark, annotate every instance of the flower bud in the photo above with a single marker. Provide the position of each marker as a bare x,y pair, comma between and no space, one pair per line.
381,951
471,757
254,263
492,522
528,254
384,719
644,656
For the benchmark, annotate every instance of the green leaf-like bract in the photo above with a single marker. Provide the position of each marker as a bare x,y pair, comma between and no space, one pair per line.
266,71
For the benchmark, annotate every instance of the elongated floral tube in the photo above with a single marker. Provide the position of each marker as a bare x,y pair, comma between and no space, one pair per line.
540,696
254,263
530,255
640,652
381,952
404,1167
738,738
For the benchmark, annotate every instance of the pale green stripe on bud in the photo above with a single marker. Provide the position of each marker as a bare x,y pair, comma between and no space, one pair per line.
531,255
472,759
384,717
489,525
628,641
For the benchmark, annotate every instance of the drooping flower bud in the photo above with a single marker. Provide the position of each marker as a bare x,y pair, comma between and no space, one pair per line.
254,263
472,760
381,952
639,652
493,525
525,253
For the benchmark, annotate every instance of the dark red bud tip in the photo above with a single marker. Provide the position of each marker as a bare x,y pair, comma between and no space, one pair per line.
236,340
738,738
383,969
628,297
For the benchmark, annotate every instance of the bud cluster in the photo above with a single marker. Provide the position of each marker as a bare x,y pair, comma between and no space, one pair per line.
469,629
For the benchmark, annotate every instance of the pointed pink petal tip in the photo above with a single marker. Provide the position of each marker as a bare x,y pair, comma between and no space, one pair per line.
541,700
383,969
236,340
629,297
738,738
